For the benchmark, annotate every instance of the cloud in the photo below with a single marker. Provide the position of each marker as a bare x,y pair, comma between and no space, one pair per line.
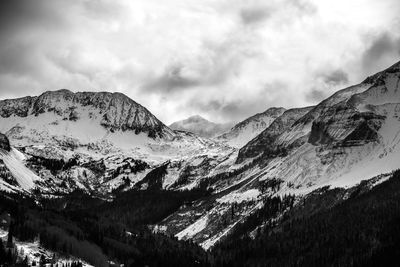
171,80
315,95
23,15
229,107
326,83
335,77
225,59
382,52
254,15
283,11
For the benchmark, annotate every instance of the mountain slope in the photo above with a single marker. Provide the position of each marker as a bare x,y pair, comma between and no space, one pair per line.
246,130
200,126
264,141
93,141
358,226
350,136
113,111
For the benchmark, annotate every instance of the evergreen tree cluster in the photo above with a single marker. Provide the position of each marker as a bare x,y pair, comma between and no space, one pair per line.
363,230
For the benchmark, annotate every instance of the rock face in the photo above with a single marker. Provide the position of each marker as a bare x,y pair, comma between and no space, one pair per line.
353,128
351,136
265,142
200,126
246,130
4,142
350,117
115,111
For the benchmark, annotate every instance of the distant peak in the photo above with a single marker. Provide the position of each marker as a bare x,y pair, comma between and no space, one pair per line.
196,118
275,110
378,77
115,110
60,91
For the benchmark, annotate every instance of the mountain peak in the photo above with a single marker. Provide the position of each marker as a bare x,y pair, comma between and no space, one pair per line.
196,118
378,77
115,111
200,126
249,128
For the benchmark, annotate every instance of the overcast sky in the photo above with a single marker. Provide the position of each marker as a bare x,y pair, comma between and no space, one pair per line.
222,59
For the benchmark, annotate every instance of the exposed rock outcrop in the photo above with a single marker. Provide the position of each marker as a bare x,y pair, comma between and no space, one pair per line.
116,111
4,142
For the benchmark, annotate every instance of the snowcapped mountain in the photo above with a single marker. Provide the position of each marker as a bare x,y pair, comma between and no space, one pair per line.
200,126
246,130
68,112
4,142
349,137
62,141
103,139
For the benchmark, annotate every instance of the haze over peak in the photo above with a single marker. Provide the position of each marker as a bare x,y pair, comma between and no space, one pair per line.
201,126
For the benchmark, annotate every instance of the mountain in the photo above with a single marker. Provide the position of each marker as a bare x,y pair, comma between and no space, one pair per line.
349,137
92,141
200,126
289,169
264,141
246,130
112,111
4,142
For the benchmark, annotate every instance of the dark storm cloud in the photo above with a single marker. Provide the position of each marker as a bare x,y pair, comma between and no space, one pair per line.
218,53
382,45
22,48
26,14
236,109
335,77
17,58
316,95
171,81
220,62
254,15
328,82
383,50
41,40
228,109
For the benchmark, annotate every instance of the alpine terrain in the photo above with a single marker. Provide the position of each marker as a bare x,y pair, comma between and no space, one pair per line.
95,178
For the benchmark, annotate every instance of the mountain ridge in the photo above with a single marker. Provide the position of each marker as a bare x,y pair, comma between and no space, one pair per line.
244,131
200,126
117,111
353,134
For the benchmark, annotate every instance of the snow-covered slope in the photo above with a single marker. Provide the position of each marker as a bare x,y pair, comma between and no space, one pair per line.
14,162
33,252
264,141
347,137
113,111
14,174
351,136
85,129
200,126
246,130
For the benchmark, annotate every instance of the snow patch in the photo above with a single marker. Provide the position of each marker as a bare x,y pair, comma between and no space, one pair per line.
238,197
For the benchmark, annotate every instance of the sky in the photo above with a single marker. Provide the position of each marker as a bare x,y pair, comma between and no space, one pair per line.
222,59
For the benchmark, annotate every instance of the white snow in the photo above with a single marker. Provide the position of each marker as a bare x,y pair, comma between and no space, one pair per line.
238,197
34,251
24,176
198,226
